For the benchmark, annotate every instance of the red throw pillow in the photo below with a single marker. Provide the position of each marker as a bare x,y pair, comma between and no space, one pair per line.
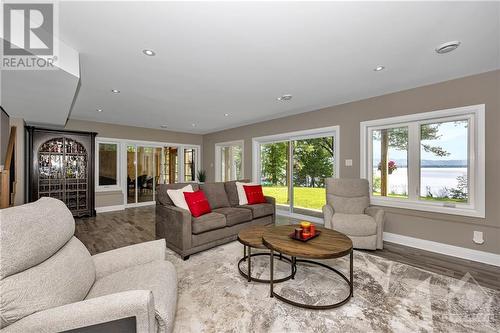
197,203
254,194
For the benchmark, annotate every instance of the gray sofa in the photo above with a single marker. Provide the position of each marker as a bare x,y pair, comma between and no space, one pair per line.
49,282
186,234
348,210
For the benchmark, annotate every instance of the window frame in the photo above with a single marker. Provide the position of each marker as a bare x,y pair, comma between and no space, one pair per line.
218,165
475,114
107,188
182,163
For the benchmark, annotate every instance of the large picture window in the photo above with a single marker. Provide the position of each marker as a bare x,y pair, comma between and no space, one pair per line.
107,166
430,161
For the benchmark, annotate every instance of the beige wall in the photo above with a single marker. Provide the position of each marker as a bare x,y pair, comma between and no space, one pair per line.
104,199
455,230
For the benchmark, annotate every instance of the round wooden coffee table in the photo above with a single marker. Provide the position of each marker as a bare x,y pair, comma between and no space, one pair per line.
252,238
330,244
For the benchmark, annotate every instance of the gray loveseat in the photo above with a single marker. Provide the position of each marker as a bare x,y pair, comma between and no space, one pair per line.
186,234
49,282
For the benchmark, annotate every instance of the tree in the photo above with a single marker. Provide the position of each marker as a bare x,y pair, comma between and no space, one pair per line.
274,158
313,161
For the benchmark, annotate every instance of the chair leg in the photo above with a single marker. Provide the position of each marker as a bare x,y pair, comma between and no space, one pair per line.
185,258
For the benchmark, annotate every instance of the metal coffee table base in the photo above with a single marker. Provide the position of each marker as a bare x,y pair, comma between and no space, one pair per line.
248,275
314,307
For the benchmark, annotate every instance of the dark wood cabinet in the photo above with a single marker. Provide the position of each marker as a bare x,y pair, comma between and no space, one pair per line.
61,165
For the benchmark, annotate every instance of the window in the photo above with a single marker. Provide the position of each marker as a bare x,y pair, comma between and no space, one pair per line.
430,161
190,162
107,166
229,161
292,168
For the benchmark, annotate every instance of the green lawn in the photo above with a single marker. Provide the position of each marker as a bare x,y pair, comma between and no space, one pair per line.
304,197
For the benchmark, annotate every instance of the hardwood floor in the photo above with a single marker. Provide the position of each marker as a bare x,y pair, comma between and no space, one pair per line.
112,230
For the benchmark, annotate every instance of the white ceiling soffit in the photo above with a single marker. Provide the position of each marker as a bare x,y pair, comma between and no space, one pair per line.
41,96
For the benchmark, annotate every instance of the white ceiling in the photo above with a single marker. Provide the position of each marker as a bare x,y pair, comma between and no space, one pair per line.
237,58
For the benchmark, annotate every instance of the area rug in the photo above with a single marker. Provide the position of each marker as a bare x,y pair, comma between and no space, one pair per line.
388,297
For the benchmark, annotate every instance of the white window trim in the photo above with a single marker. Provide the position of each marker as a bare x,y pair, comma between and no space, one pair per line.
107,188
197,162
476,116
218,146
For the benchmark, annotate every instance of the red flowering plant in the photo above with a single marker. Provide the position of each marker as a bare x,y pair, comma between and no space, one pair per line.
391,167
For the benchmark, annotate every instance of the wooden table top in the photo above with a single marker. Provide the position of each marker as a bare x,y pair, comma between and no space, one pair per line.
252,236
330,244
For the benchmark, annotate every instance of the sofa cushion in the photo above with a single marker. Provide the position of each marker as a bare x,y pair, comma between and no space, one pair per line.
254,194
66,277
157,276
197,203
216,194
232,191
178,198
207,222
260,210
162,197
354,224
235,215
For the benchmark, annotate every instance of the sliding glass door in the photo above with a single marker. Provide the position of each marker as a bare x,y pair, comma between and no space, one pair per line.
294,171
275,173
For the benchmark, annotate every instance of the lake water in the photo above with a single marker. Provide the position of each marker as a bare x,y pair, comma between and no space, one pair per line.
434,178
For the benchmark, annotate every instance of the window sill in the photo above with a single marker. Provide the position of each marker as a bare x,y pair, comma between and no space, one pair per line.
437,207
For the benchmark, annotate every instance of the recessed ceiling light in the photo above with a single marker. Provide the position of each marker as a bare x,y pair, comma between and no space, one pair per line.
285,97
149,53
115,91
447,47
379,68
163,126
226,114
194,125
98,110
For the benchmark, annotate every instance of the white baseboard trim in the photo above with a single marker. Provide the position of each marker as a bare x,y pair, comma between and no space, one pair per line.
446,249
109,208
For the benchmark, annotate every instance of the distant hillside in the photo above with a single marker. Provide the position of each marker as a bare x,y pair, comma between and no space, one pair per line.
433,163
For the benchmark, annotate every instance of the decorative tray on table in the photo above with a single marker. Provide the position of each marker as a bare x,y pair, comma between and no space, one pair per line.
316,234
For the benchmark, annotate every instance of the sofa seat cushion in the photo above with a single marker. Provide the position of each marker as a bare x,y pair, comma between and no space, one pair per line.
354,224
235,215
207,222
260,210
158,276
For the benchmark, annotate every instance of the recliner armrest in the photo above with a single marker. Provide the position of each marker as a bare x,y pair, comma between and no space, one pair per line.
116,260
89,312
378,215
174,224
328,212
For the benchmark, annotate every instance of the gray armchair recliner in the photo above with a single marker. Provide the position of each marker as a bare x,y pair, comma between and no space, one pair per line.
348,210
49,282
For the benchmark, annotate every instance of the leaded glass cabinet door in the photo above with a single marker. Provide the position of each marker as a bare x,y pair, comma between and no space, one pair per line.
62,167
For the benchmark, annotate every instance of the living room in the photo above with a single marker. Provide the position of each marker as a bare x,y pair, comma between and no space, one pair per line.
250,166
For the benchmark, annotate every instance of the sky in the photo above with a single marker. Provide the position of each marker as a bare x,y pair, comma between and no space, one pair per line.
453,140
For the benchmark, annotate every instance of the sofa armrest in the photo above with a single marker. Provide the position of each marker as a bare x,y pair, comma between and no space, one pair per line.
328,212
174,224
378,215
271,200
89,312
128,256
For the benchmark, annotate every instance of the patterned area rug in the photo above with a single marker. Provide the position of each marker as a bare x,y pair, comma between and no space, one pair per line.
388,297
